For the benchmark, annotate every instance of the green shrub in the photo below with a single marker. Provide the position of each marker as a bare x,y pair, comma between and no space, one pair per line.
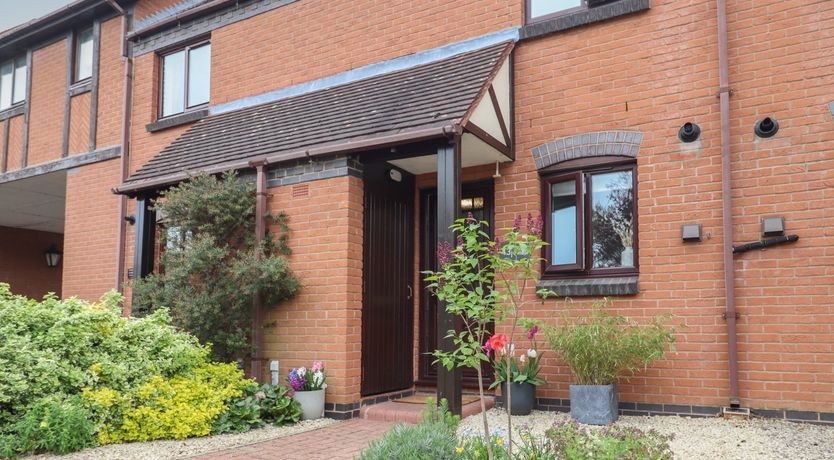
178,408
432,439
51,425
56,347
257,406
600,347
572,442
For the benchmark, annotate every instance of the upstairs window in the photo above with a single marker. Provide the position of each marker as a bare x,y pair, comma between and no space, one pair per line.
83,55
543,9
12,82
591,221
186,79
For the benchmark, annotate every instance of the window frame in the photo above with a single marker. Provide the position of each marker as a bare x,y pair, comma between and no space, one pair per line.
186,64
528,9
14,61
76,55
583,169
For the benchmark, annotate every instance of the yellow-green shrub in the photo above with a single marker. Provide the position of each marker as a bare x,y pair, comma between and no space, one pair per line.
178,408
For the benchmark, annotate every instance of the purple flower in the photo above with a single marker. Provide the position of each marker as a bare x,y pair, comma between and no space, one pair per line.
470,218
534,226
296,382
517,223
531,334
444,253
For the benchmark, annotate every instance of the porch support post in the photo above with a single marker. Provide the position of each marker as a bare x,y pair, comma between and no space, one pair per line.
448,209
143,250
258,314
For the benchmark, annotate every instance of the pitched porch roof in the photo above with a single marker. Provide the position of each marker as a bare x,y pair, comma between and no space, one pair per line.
423,102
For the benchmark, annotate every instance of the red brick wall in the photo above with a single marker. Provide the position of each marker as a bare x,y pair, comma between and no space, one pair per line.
323,322
46,118
110,85
90,231
79,132
581,81
15,158
23,264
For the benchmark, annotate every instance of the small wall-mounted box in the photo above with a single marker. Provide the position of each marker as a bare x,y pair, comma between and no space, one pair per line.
691,233
773,226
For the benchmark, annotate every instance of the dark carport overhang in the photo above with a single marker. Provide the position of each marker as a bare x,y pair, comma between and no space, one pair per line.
467,96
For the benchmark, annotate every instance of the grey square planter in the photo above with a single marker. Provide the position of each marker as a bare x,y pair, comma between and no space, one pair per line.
594,404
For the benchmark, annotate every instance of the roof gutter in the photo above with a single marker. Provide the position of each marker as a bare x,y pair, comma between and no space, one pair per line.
345,147
730,314
181,16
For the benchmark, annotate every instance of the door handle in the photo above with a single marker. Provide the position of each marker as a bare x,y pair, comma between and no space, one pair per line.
410,292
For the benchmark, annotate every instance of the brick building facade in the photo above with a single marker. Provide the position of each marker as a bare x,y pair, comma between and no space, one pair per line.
606,85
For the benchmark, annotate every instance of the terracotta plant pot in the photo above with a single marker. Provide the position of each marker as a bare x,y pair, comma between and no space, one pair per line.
312,403
522,399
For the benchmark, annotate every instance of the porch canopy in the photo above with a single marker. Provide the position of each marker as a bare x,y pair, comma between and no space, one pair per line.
464,96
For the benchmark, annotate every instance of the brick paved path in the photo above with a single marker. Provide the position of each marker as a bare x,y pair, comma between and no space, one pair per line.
340,441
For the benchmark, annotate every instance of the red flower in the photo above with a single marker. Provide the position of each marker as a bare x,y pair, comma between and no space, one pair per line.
531,334
497,341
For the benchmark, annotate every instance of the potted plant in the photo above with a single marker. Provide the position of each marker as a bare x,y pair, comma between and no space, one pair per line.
599,348
308,389
522,371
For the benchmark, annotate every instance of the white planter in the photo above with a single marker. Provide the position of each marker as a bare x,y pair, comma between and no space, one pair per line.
627,257
312,403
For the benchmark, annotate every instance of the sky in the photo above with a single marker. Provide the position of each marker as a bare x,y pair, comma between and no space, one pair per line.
14,12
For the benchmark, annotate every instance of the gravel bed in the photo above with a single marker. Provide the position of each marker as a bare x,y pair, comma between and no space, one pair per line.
701,438
158,450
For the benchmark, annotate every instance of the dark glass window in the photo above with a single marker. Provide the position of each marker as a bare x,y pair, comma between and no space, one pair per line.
186,79
591,220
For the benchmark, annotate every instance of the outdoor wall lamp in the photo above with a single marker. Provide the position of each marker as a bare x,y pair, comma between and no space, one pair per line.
689,132
53,256
766,127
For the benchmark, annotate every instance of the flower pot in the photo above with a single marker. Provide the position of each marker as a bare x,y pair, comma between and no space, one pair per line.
522,398
312,403
594,404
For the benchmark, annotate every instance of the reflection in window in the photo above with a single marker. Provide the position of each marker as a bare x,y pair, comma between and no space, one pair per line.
84,55
12,82
540,8
612,220
186,79
563,222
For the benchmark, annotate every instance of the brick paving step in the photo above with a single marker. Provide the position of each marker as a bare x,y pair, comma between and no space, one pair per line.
393,411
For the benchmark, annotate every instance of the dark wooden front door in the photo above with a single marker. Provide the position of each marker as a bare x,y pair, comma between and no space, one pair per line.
388,272
478,199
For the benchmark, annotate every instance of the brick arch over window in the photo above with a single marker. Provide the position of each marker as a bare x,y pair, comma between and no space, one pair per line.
602,143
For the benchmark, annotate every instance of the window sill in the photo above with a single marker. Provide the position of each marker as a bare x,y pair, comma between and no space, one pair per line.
13,111
583,17
584,287
81,87
176,120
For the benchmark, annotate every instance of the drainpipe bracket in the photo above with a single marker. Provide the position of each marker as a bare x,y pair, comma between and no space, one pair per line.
724,89
727,313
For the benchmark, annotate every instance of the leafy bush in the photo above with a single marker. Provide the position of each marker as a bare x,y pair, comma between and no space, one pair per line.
178,408
209,273
570,441
432,439
58,347
600,347
257,406
51,425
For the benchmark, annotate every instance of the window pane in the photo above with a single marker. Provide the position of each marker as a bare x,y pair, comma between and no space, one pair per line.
543,7
612,219
84,55
19,91
563,222
199,75
173,83
6,85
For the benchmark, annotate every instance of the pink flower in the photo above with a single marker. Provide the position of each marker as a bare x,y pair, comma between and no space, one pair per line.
531,334
488,349
444,253
260,395
497,341
317,366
